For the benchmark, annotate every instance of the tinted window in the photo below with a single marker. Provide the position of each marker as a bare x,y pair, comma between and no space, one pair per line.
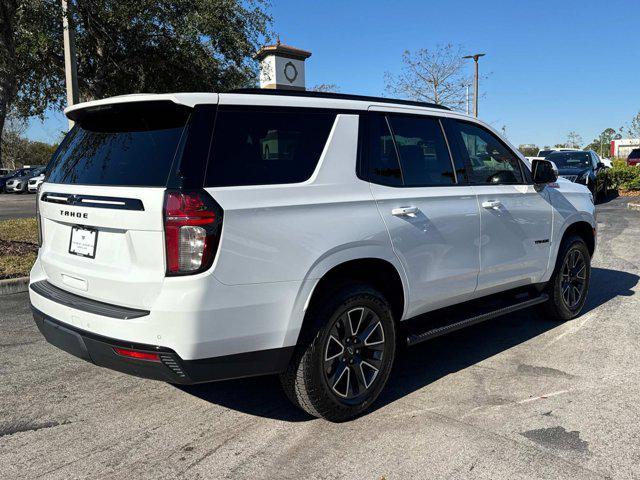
571,159
424,156
384,168
263,146
544,153
635,153
125,144
488,160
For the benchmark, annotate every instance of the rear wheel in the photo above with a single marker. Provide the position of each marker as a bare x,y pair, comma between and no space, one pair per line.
603,192
569,284
342,370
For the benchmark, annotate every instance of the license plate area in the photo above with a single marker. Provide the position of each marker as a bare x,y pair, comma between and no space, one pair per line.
83,241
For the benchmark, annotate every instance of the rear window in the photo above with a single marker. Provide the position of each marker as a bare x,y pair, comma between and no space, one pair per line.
131,144
258,146
571,159
635,153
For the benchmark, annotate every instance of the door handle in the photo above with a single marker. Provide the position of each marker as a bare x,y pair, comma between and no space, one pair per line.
493,204
405,211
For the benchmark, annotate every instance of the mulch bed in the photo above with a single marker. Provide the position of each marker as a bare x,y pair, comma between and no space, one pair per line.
629,193
16,248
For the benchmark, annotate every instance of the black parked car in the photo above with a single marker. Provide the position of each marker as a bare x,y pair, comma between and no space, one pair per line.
581,167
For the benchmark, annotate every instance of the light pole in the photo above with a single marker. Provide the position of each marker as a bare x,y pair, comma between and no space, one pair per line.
475,81
70,69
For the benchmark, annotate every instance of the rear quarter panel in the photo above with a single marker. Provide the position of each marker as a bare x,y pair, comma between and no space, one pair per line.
279,233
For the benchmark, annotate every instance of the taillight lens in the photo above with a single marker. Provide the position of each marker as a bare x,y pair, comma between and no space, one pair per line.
192,225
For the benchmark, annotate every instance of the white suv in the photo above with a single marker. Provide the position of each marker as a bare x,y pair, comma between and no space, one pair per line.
198,237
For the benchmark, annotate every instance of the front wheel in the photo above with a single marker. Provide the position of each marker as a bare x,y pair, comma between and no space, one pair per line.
343,369
569,284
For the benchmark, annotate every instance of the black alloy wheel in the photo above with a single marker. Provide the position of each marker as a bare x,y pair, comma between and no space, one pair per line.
573,278
353,353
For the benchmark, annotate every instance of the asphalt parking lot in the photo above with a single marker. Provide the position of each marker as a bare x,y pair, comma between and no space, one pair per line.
518,397
14,205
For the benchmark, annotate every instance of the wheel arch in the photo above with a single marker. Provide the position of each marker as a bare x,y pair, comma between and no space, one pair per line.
383,273
584,230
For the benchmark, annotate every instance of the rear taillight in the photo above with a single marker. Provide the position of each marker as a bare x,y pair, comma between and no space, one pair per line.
192,226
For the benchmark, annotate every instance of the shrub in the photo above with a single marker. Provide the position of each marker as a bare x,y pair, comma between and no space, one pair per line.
622,176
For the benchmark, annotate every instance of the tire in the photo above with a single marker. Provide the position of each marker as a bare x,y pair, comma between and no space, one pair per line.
569,285
603,193
337,374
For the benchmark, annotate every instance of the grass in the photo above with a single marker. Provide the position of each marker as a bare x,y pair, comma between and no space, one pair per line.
19,230
18,247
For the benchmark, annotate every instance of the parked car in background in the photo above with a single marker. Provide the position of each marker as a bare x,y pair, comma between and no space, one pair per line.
581,166
543,153
606,161
633,160
36,181
5,174
17,183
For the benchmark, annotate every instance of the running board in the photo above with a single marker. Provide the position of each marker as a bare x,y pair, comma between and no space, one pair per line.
415,338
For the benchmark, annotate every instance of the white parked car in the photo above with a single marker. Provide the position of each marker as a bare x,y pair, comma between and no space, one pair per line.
174,247
35,182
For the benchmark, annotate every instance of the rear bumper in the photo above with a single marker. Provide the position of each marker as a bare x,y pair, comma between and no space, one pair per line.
99,350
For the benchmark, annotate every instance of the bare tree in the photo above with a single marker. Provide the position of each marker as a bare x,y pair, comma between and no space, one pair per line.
574,140
633,129
435,76
325,87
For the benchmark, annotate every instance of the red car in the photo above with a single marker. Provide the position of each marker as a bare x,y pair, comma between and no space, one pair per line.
634,158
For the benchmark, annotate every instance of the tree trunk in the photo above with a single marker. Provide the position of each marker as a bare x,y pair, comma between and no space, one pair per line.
8,87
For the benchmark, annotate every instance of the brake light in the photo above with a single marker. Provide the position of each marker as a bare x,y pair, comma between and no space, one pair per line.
125,352
192,225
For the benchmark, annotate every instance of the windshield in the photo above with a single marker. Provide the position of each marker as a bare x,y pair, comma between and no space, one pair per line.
635,153
121,145
23,172
570,159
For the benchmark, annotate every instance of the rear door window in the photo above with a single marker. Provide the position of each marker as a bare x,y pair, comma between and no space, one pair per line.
263,146
131,144
423,152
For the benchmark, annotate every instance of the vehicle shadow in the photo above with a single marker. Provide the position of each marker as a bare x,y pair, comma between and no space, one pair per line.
423,364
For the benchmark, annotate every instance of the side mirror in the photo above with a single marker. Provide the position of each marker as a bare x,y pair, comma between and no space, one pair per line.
544,171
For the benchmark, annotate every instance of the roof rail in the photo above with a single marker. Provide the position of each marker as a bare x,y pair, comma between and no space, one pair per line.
336,96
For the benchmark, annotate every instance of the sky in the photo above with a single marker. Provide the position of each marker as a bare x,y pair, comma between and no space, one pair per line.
554,66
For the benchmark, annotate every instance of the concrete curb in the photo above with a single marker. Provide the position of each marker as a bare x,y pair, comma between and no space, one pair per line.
14,285
633,206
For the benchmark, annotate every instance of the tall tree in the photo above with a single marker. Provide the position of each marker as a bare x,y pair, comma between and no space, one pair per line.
633,130
167,45
601,144
127,47
574,140
436,76
30,58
